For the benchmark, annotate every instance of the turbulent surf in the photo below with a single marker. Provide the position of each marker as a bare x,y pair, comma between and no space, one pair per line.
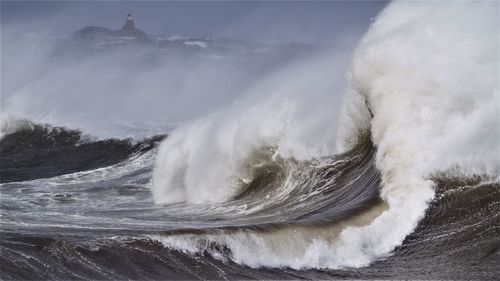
389,172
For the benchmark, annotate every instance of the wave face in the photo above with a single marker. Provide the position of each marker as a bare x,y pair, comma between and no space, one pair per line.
400,179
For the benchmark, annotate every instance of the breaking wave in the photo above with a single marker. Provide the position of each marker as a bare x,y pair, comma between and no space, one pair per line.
423,83
31,151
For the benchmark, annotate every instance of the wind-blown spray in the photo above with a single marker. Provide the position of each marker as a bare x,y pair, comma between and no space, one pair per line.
423,81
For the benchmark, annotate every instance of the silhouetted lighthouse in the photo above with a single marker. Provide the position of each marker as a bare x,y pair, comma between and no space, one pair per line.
129,25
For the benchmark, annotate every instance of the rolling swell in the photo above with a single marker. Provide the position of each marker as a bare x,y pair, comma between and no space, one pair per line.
40,151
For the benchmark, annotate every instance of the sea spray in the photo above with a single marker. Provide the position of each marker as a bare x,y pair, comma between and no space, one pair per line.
424,80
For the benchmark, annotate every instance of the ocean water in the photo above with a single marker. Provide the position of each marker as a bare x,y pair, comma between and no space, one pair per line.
379,162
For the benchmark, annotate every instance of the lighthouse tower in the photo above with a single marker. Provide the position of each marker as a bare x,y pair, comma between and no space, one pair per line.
129,24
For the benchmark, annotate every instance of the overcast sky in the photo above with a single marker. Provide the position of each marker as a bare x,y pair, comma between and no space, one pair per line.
313,22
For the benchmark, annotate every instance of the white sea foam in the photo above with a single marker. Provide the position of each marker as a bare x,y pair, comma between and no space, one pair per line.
429,72
294,111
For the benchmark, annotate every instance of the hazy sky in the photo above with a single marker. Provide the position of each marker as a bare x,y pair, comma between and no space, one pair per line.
315,22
